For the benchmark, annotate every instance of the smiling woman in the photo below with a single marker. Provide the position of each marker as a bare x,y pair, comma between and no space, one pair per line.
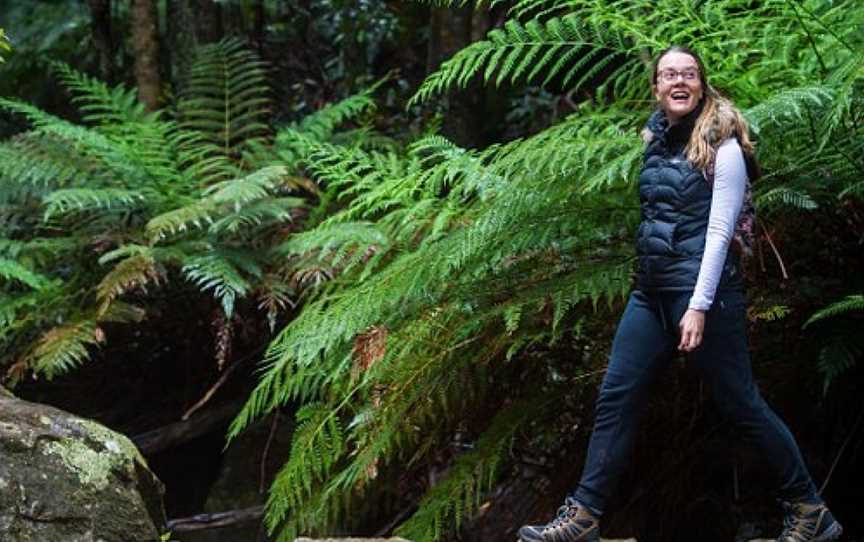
678,85
694,195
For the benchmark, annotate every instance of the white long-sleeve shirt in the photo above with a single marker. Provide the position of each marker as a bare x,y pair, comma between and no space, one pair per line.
730,183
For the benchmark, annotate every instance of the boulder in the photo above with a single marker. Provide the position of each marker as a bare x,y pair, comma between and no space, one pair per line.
64,478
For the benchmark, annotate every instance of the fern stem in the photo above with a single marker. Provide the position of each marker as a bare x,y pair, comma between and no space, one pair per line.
810,39
823,25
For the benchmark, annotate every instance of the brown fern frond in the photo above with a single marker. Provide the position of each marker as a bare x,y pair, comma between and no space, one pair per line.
64,347
369,348
274,296
224,328
132,273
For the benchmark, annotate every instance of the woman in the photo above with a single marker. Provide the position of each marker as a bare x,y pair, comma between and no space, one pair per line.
693,185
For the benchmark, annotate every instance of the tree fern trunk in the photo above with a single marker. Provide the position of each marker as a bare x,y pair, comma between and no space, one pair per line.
145,46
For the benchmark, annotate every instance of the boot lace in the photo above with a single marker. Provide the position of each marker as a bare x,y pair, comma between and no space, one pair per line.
797,528
566,513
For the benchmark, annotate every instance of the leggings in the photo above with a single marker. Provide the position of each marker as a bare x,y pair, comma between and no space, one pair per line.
646,339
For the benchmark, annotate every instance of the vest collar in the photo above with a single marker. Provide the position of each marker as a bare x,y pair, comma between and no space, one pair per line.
679,133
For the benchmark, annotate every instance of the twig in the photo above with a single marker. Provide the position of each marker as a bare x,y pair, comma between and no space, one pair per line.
777,255
404,513
201,402
273,427
840,451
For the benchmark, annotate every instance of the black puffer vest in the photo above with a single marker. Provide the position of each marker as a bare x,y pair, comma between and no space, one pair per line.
675,200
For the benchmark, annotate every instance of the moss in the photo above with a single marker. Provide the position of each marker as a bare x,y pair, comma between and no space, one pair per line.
112,441
94,467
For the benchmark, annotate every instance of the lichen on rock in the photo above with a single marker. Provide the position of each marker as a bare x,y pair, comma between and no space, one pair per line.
91,466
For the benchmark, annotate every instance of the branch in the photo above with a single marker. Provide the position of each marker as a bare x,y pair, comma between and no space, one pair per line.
218,520
177,433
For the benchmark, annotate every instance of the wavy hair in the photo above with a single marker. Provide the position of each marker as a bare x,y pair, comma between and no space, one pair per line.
718,121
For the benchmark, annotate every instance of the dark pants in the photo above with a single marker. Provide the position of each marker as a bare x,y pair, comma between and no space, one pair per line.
646,339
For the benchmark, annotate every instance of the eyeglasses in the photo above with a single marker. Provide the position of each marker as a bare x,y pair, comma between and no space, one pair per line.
670,75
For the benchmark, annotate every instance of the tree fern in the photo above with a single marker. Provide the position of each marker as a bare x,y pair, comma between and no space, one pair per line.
127,177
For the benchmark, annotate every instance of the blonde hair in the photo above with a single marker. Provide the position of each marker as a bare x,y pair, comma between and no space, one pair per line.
718,121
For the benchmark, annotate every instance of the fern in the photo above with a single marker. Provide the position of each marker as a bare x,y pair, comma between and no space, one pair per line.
132,273
101,105
456,497
64,347
126,176
226,97
511,51
852,303
219,272
88,199
11,270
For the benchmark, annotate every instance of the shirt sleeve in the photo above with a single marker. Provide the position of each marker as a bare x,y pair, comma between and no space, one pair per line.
730,183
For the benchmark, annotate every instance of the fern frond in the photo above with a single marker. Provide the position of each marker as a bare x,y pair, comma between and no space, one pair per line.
852,303
238,192
101,105
69,200
510,51
226,97
64,347
265,212
132,273
196,215
219,272
459,494
317,445
12,270
842,350
321,124
785,196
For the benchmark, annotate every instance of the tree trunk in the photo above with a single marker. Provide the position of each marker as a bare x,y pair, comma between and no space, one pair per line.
209,21
190,23
180,38
259,33
100,25
145,47
451,31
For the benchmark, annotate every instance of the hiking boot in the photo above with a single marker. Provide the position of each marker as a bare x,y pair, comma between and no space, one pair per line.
574,523
808,523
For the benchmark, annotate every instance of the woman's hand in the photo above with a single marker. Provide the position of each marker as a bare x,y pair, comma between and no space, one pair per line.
691,326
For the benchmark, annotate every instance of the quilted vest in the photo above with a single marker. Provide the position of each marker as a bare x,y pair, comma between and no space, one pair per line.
675,200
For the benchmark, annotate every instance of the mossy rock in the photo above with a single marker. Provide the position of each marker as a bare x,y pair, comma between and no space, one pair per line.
64,478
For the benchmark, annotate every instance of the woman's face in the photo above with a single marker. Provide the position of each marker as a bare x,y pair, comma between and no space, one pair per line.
679,86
